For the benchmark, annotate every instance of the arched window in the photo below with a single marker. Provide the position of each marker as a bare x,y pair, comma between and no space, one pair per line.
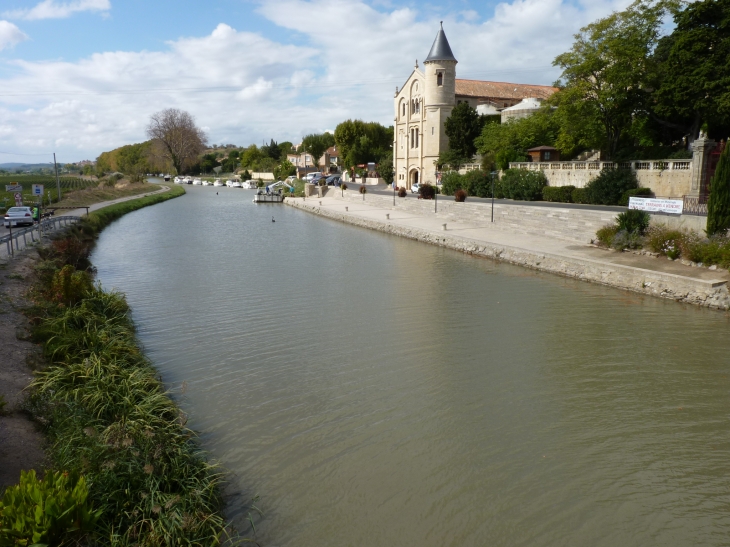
440,79
404,109
418,106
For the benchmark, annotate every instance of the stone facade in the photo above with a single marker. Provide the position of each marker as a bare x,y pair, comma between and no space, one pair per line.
426,100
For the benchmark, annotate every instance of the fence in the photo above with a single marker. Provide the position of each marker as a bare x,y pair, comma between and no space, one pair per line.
654,165
694,205
12,241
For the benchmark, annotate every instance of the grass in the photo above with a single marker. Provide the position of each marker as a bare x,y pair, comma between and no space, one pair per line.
107,415
95,194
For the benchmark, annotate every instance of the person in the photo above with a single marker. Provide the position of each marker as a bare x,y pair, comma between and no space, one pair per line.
35,213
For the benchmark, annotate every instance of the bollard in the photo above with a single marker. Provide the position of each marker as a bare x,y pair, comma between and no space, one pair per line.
320,203
347,208
387,215
443,227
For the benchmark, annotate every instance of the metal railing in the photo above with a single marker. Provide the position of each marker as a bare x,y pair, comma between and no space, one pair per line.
693,205
12,242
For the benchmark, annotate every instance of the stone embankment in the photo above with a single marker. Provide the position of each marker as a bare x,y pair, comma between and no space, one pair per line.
544,239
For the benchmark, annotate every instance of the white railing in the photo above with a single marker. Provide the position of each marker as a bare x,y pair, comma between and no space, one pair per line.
653,165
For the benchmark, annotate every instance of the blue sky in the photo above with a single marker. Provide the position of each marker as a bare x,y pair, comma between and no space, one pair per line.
82,76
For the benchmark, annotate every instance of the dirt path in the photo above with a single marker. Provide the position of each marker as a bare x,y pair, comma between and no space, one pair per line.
21,443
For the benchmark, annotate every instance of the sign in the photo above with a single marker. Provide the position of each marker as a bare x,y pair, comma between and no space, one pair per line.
18,199
37,190
652,205
13,188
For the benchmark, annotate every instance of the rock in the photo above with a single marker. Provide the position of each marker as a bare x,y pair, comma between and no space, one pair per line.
687,262
713,267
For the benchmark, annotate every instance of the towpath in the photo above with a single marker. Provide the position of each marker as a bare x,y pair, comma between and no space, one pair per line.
656,276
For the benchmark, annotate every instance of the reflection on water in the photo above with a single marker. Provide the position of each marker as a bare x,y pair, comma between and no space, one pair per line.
378,391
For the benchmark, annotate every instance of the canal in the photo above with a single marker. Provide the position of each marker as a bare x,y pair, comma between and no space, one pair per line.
373,390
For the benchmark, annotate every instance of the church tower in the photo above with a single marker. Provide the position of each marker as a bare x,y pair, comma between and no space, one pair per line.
440,93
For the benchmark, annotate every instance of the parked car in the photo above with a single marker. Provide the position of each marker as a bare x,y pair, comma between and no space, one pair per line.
333,180
415,188
18,216
317,178
309,176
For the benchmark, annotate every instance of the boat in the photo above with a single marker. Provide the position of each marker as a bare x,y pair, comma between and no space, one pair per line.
229,183
167,178
236,184
197,182
178,180
218,183
248,185
206,183
188,180
272,193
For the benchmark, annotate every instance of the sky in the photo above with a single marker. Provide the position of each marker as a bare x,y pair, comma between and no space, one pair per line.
79,77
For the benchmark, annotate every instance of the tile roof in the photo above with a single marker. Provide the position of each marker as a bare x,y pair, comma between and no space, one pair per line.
502,90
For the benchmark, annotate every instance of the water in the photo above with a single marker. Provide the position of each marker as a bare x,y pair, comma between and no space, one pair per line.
378,391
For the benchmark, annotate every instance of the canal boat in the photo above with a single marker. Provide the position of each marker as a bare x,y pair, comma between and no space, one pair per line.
248,185
272,197
206,183
218,182
197,182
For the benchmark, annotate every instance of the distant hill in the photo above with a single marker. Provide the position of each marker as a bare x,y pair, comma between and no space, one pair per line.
27,166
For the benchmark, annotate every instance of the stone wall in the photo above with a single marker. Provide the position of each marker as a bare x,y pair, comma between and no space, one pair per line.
707,293
567,223
666,178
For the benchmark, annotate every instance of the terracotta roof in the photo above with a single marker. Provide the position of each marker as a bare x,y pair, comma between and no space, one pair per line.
502,90
539,148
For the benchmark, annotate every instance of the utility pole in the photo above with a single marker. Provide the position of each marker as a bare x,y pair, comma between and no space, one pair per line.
58,182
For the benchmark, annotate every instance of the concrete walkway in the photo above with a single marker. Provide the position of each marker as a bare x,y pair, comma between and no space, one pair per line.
641,273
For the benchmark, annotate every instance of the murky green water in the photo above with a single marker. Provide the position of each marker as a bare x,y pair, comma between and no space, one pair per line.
378,391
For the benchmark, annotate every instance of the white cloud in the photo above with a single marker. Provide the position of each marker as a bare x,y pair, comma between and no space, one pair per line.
243,87
50,9
10,35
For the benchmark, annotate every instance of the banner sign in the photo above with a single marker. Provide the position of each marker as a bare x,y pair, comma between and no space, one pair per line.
13,188
652,205
37,189
18,199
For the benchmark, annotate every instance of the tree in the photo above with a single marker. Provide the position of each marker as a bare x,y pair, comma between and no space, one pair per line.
317,144
271,150
251,156
692,69
284,169
605,74
509,141
176,137
463,127
385,168
361,142
718,205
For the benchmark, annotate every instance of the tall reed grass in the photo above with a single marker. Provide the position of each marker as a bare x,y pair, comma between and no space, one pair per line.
107,415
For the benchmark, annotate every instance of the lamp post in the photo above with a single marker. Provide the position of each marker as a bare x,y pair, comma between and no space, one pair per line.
393,185
493,173
435,192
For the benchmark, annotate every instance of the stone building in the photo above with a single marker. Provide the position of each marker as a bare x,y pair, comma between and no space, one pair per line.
426,100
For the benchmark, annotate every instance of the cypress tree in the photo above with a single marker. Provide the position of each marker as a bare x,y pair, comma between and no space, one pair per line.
718,206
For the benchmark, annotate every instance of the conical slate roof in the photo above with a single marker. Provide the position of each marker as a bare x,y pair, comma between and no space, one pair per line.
440,50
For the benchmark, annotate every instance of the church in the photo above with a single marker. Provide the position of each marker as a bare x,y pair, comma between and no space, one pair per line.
425,102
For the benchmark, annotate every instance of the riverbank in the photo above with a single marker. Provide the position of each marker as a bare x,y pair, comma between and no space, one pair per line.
636,273
105,413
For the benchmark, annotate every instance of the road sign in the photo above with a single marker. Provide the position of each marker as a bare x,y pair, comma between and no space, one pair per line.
18,199
13,188
37,190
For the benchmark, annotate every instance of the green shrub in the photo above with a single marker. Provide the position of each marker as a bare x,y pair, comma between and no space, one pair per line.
636,192
52,511
665,241
626,240
402,192
579,196
69,286
709,251
633,220
363,189
605,235
427,191
523,184
608,187
460,196
562,194
477,183
451,182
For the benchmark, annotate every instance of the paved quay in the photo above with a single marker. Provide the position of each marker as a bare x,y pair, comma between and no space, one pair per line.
639,273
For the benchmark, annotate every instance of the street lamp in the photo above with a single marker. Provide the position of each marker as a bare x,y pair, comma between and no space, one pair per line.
493,173
435,192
